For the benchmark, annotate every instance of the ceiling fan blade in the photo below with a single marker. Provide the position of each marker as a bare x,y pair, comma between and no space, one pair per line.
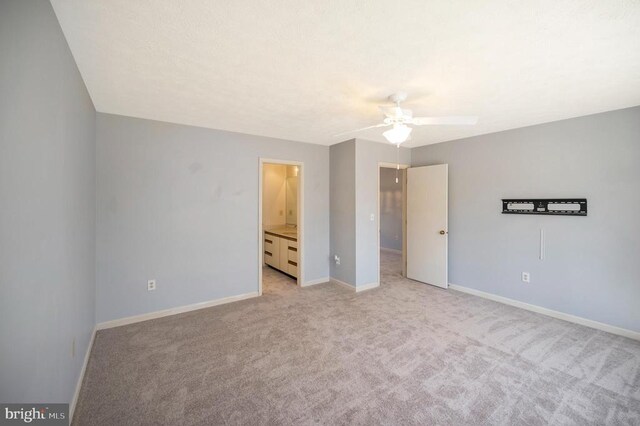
364,128
451,120
395,111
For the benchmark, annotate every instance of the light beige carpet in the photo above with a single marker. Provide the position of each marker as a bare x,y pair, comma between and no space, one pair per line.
406,353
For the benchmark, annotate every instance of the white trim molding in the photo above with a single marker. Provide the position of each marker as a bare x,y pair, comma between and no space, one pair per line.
76,393
356,289
342,283
174,311
317,281
549,312
388,165
368,286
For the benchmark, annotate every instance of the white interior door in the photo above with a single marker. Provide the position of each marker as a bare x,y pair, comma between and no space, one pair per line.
427,233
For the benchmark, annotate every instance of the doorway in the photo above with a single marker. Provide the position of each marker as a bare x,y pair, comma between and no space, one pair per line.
424,244
280,221
392,192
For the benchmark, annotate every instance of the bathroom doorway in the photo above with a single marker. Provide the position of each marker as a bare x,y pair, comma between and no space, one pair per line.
280,223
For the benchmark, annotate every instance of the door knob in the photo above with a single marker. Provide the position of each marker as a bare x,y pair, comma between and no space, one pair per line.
442,232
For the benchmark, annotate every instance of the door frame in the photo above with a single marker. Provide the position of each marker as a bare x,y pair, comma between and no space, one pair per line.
387,165
299,213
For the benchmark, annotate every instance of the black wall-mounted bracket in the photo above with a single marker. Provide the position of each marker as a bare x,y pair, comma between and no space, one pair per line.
546,206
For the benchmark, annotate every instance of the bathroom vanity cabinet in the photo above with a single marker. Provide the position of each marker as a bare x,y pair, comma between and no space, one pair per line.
281,251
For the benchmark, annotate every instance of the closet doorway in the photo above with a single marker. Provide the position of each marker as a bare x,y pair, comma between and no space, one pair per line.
392,196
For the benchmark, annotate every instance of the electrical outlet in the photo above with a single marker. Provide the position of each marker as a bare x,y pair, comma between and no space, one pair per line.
526,278
151,285
372,217
336,258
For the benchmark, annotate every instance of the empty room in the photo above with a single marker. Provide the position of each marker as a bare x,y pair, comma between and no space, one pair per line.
337,213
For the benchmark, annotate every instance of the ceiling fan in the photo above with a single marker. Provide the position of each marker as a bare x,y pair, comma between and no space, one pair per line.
400,118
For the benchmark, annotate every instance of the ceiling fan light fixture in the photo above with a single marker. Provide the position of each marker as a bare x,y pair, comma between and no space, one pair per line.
399,118
398,134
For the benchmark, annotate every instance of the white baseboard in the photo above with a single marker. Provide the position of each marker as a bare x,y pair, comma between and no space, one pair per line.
365,287
390,250
314,282
76,393
174,311
549,312
357,289
342,283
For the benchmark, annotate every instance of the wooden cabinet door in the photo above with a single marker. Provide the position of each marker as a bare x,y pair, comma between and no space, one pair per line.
283,255
272,250
292,258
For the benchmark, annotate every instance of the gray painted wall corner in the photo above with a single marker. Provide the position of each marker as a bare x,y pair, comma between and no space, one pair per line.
368,156
343,210
48,218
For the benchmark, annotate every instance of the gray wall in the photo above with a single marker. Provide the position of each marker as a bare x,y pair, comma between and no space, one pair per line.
391,208
368,156
47,218
592,266
179,204
343,211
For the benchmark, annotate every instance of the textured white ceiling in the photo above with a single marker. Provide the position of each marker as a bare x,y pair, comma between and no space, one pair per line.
306,70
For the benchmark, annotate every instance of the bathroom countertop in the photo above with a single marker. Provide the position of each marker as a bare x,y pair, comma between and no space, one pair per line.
283,231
